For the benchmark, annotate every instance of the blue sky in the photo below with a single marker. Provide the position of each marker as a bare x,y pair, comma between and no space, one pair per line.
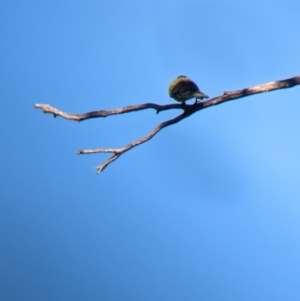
209,209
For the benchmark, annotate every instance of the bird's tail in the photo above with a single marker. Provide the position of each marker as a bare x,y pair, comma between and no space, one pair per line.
200,95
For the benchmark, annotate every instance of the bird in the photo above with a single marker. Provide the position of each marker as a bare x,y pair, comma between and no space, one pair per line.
183,88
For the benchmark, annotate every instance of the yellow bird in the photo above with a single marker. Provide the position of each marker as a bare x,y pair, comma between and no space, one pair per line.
183,88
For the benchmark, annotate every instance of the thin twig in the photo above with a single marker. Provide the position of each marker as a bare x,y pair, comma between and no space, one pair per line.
119,151
187,111
104,113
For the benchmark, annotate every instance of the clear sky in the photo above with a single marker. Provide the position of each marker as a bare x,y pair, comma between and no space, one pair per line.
209,209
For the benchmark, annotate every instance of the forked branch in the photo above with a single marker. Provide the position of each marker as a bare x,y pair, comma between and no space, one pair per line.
187,111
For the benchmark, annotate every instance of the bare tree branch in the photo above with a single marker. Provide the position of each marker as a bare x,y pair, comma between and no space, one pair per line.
118,152
105,113
187,111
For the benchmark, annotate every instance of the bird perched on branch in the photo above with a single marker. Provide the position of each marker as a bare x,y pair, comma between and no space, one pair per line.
183,88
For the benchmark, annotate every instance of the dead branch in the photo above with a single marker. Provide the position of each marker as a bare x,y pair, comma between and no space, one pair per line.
187,111
105,113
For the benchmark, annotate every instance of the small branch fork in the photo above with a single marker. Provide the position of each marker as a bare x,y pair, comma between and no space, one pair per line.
187,111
